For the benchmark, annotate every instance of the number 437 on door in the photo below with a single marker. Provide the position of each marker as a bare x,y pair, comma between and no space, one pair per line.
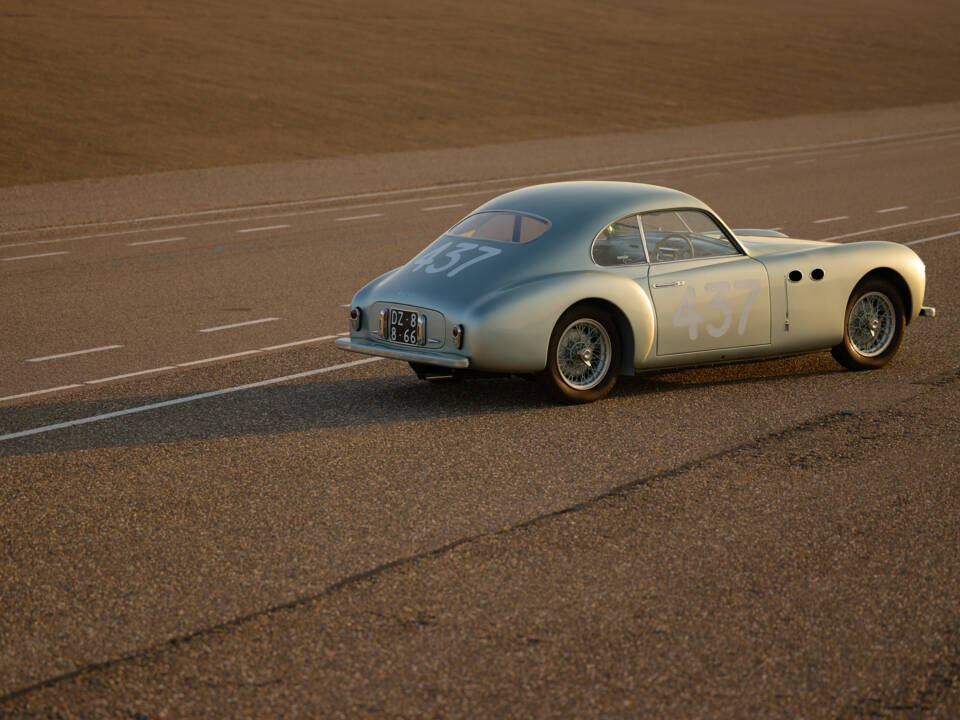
689,317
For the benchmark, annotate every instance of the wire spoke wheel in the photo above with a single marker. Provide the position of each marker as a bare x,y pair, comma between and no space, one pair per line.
872,324
583,354
873,328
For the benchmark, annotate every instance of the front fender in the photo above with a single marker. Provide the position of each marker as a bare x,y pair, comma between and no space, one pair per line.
509,330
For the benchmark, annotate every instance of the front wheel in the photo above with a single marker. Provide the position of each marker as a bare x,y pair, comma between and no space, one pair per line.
584,355
872,326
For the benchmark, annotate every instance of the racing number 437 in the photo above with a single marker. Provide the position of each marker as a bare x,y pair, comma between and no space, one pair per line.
689,317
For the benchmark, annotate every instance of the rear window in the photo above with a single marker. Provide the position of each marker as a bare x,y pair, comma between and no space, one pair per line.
501,226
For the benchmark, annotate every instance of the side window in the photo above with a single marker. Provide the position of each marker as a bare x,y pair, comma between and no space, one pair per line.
684,234
619,243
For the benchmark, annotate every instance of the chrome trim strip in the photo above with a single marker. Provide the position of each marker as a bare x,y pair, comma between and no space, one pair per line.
438,359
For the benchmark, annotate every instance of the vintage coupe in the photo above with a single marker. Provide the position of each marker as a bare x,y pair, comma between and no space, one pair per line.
579,282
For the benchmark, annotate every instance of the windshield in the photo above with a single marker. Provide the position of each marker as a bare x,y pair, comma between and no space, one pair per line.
500,226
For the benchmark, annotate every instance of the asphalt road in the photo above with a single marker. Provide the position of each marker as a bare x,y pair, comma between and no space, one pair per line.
776,539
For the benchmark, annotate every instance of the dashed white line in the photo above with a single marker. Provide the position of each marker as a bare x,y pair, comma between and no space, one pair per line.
39,392
178,401
893,227
301,342
442,207
935,237
359,217
265,227
75,352
218,357
128,375
898,208
39,255
236,325
831,219
154,242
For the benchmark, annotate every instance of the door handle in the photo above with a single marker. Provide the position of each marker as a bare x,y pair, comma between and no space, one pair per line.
670,284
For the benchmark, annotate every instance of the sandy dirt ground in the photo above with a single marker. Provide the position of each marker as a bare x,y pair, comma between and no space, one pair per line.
109,87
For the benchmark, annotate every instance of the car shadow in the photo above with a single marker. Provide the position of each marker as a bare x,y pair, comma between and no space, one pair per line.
317,405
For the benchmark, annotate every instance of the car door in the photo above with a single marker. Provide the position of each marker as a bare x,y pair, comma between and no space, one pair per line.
706,293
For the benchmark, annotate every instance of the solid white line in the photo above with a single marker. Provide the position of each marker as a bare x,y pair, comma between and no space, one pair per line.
218,357
831,219
298,342
893,209
178,401
892,227
239,324
127,375
935,237
38,392
359,217
267,227
75,352
442,207
27,257
154,242
927,135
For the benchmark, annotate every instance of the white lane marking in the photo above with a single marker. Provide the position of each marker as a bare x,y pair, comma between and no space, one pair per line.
75,352
39,255
935,237
179,401
758,167
898,208
39,392
404,201
939,134
128,375
154,242
892,227
265,227
831,219
218,357
442,207
174,367
359,217
708,174
300,342
239,324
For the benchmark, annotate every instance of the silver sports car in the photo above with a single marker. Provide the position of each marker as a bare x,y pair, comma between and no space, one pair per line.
579,282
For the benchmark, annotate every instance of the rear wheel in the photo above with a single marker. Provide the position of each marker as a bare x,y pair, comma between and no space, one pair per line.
872,326
584,355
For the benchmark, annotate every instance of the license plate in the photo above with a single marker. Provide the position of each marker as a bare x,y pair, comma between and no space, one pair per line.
402,326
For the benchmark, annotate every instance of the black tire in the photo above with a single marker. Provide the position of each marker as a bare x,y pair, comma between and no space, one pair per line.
876,331
590,327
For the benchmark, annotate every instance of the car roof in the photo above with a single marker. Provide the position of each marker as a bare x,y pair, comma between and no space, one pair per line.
581,205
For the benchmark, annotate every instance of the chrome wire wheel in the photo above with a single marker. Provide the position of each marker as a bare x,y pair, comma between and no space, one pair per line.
872,324
583,354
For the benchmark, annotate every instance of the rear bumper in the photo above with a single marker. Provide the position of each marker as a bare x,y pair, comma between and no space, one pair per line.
398,353
928,311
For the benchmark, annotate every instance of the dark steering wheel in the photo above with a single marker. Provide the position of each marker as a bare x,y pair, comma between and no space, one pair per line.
673,247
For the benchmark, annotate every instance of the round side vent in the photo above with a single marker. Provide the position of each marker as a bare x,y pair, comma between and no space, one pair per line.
817,274
795,276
